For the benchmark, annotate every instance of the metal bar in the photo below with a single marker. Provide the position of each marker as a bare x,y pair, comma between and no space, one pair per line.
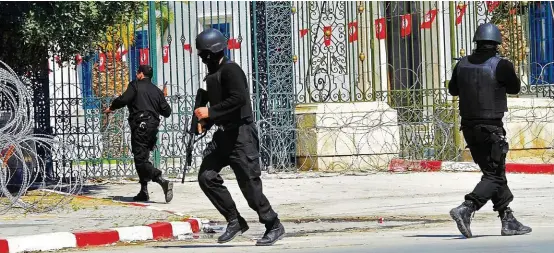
452,10
153,60
255,62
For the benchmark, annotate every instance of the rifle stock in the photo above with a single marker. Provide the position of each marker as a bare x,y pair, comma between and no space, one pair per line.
200,101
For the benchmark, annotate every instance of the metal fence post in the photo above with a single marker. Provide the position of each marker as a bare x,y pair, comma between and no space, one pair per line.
457,138
153,59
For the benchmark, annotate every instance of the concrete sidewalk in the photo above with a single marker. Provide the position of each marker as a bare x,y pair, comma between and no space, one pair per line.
427,195
413,198
78,215
85,222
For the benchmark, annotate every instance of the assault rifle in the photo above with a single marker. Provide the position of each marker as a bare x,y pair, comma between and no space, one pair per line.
195,129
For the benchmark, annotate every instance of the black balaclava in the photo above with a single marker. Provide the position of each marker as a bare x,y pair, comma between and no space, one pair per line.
211,60
486,47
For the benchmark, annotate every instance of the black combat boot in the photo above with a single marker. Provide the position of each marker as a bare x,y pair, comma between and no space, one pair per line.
510,226
233,228
167,187
272,234
462,216
143,193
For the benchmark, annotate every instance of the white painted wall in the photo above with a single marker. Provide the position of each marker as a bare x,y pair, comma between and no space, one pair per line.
65,82
185,72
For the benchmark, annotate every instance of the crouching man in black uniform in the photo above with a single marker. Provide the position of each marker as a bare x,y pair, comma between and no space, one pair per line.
145,102
482,80
235,143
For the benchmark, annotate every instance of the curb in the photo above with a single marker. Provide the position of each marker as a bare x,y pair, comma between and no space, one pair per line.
400,165
62,240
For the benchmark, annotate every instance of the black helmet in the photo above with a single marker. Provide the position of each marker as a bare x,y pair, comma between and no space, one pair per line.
211,40
487,32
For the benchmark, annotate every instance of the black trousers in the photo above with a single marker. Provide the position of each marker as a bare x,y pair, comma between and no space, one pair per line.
238,148
488,148
144,132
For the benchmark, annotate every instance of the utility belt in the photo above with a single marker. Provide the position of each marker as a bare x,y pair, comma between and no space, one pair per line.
140,119
234,125
496,136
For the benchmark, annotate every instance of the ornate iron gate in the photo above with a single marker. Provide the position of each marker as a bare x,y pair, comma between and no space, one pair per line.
293,53
258,41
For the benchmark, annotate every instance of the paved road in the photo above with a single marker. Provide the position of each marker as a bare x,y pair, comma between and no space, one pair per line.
78,215
381,194
429,240
414,197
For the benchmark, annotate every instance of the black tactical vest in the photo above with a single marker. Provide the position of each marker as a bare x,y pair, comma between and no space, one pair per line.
481,96
216,94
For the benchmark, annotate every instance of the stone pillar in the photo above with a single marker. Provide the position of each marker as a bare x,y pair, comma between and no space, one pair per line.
338,137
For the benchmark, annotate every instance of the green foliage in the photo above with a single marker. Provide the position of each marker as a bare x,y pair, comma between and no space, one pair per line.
123,33
69,27
514,42
29,30
508,9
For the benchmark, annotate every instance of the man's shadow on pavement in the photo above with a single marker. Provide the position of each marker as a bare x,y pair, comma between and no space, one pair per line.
130,200
451,237
190,246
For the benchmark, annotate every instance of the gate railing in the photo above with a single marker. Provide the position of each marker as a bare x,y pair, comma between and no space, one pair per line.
294,53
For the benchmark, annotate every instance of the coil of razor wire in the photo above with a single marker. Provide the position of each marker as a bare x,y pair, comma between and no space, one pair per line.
19,157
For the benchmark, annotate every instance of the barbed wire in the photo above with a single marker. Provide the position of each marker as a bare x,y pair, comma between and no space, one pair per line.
20,160
424,124
39,197
358,134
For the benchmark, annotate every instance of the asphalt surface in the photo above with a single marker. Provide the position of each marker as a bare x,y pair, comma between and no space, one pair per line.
442,238
382,194
339,214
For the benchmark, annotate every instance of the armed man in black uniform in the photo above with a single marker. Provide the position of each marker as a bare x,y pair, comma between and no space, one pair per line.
145,102
482,81
235,143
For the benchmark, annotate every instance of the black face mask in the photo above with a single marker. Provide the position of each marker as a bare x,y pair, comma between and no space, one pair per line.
486,47
211,60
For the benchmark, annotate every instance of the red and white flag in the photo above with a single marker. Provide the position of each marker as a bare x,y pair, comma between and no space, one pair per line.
187,47
381,28
78,59
102,62
58,60
460,11
406,22
166,54
429,19
120,53
327,39
233,44
491,5
144,55
352,31
303,32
